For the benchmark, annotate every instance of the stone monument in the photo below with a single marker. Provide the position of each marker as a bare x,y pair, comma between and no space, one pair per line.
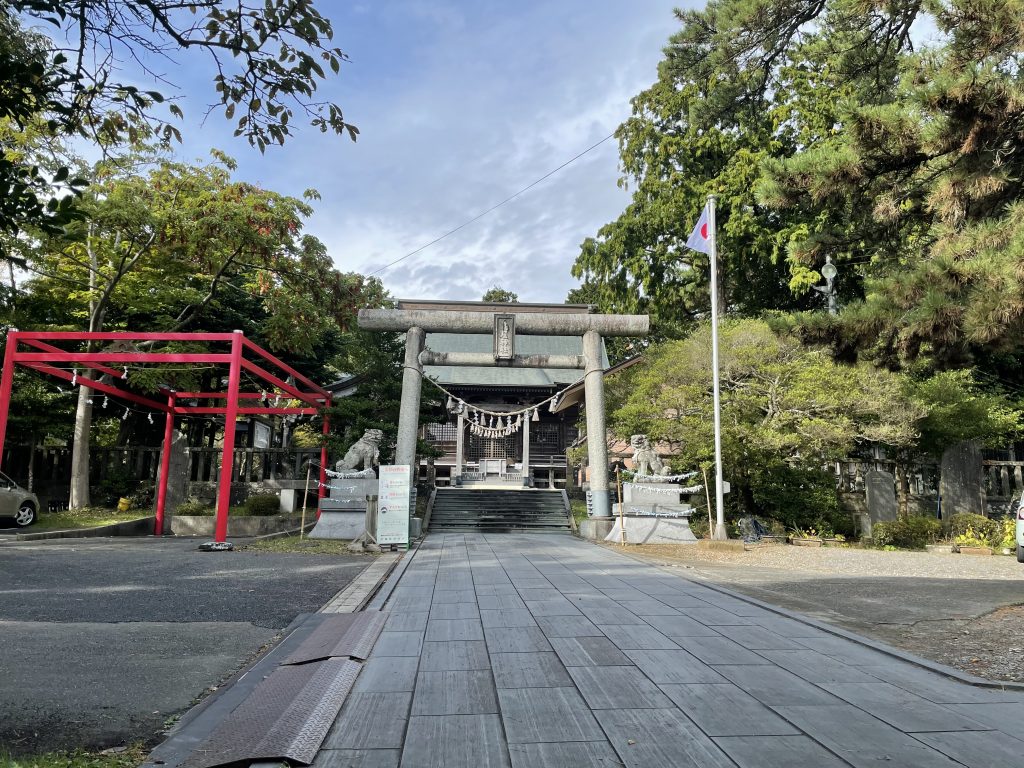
645,460
652,509
343,511
961,483
881,498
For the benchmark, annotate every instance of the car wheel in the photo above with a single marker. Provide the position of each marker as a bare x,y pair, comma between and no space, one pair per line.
1020,554
26,515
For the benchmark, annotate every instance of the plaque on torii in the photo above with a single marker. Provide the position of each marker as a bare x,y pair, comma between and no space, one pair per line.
504,337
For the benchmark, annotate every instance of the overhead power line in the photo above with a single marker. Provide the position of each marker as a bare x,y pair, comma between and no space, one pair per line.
494,207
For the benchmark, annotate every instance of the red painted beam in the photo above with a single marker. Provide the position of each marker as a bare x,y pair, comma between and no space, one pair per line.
183,410
51,348
99,386
217,395
280,384
285,367
6,384
123,336
120,357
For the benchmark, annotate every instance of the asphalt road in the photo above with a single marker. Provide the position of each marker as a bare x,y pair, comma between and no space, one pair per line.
103,640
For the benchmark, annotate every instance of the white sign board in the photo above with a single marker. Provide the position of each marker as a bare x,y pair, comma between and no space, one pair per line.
393,504
261,436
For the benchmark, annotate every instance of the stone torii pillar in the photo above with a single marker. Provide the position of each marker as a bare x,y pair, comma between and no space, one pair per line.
460,444
597,437
409,411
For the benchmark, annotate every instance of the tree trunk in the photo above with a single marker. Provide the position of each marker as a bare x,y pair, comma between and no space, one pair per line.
79,492
902,491
80,451
32,464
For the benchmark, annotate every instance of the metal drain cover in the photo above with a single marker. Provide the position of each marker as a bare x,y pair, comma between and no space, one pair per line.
286,717
343,635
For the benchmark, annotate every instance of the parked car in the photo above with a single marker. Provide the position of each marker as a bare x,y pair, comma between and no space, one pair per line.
17,503
1020,529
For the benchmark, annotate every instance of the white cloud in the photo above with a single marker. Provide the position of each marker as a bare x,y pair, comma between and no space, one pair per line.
460,105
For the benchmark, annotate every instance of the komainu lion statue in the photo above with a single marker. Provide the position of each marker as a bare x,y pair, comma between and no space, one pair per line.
365,451
645,460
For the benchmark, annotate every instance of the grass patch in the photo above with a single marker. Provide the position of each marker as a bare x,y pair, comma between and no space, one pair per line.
88,517
305,546
128,758
579,510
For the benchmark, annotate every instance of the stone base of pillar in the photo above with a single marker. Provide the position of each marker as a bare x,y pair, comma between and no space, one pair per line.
343,524
596,528
646,529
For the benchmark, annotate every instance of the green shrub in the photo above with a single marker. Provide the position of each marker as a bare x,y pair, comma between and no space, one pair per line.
119,482
983,528
193,506
262,504
800,497
1008,530
909,533
699,525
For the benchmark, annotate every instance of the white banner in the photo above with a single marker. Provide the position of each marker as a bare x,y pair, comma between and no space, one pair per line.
393,504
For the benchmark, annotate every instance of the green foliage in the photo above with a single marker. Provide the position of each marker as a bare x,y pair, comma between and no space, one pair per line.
195,507
269,59
262,505
303,546
800,497
500,295
912,532
132,756
119,482
958,409
971,538
787,411
85,517
700,525
827,130
970,527
1007,536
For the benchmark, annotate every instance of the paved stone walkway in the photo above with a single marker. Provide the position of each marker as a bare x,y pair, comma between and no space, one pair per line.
543,650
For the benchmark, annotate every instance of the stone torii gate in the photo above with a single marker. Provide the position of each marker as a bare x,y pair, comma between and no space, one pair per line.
416,324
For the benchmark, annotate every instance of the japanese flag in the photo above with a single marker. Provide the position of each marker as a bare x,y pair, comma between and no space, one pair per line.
700,238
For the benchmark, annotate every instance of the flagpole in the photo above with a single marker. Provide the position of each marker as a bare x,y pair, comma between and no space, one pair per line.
719,532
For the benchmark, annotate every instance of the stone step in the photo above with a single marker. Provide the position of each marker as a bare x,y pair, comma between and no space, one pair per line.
499,510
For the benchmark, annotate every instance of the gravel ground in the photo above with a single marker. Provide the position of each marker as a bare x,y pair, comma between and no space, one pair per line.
850,561
960,610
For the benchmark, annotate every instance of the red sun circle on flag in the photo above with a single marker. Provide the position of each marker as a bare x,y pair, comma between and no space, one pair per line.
704,230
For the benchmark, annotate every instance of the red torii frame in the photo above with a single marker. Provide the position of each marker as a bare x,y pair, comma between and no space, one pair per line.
42,356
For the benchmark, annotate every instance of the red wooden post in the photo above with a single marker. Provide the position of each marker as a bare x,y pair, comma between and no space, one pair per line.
165,464
227,462
6,383
323,464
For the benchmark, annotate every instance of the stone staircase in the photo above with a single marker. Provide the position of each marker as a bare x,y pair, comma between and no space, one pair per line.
499,511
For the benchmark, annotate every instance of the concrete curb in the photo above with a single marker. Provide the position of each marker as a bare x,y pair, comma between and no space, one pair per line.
382,594
888,650
354,597
143,526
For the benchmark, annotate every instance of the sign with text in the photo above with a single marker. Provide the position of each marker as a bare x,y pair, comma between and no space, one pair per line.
393,504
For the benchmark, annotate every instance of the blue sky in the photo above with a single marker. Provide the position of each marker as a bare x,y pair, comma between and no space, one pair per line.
460,104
